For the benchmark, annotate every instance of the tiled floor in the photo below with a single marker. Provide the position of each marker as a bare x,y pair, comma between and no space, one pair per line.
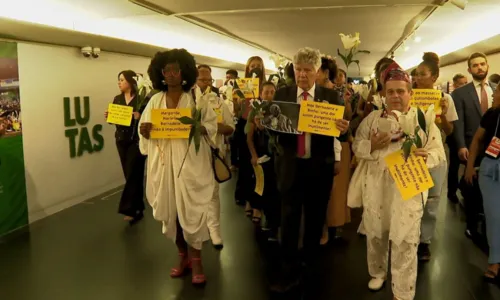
88,253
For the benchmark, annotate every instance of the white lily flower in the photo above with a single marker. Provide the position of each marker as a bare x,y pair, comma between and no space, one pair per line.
409,121
349,41
143,84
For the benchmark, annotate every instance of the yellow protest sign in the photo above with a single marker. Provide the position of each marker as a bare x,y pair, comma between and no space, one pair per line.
319,118
120,114
259,179
249,87
423,98
220,118
411,177
166,124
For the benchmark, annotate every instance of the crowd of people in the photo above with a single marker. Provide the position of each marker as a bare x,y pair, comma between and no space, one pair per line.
10,114
312,178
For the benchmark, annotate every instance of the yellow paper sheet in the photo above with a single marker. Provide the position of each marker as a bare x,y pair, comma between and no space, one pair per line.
259,179
249,87
220,118
166,124
423,98
411,177
120,114
319,118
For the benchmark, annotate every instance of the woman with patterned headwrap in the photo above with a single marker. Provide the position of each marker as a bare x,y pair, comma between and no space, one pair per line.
387,219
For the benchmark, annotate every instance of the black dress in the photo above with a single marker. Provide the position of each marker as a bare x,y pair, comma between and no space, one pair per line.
132,161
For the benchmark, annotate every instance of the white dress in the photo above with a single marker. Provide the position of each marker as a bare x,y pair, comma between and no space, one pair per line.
186,196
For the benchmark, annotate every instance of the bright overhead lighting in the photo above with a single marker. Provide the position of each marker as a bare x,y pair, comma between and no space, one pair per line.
470,33
407,48
418,39
460,3
153,29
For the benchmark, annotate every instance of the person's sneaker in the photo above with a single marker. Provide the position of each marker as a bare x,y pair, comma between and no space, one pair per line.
216,240
376,284
424,253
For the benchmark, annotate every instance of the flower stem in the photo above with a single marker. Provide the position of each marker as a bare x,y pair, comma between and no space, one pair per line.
183,161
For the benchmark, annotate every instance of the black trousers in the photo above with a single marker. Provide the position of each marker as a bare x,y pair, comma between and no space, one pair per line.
244,188
310,191
453,168
133,163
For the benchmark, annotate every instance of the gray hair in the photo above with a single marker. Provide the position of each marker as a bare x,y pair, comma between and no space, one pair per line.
308,56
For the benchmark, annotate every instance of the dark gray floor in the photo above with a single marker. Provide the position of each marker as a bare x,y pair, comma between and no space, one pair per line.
87,252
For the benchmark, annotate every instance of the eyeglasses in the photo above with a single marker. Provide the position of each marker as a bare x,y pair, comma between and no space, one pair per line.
171,71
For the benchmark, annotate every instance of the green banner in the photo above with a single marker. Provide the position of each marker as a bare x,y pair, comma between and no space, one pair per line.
13,198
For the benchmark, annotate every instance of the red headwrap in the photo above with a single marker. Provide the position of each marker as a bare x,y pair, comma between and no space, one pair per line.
395,73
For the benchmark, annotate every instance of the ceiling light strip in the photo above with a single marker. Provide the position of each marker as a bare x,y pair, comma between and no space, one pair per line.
415,23
275,9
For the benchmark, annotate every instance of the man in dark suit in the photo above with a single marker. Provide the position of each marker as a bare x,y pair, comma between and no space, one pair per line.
205,79
471,101
304,167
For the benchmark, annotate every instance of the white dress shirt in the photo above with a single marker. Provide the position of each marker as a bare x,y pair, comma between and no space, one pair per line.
489,91
336,143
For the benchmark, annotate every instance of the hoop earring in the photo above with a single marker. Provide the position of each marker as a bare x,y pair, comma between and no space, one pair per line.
184,82
164,82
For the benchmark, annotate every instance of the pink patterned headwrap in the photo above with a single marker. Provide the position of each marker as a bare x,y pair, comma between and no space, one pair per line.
395,73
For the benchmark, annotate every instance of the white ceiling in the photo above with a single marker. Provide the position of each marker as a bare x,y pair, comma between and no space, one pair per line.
280,25
450,29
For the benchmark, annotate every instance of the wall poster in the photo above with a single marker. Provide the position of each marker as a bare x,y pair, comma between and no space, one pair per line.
13,198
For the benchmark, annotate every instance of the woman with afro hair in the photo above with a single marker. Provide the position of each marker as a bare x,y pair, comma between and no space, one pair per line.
179,198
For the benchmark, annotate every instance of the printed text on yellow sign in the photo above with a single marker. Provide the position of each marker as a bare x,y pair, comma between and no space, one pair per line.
319,118
166,124
120,114
411,177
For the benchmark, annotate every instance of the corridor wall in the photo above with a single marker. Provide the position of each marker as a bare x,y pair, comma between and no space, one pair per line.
54,179
447,73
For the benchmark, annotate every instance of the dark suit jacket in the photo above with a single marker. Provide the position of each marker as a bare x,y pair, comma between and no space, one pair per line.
322,149
469,114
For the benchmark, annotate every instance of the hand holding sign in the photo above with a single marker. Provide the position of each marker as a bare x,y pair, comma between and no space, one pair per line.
444,105
342,125
145,130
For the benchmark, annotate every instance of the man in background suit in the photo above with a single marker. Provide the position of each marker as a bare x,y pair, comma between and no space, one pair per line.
459,80
304,167
205,79
471,101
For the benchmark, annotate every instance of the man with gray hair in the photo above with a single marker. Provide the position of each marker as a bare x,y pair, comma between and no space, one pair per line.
305,170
